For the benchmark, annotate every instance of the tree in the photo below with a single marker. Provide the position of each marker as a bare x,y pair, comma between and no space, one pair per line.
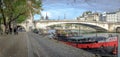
88,12
18,10
69,26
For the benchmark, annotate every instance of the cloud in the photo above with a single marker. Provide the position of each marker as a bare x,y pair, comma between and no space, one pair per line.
69,13
74,8
103,5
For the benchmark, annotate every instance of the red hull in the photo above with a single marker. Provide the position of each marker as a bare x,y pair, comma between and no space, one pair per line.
98,45
94,45
111,43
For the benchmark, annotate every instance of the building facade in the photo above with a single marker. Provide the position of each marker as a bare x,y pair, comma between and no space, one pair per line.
111,17
92,17
89,16
118,15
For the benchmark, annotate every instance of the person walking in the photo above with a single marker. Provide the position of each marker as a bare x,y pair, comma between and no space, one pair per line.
15,31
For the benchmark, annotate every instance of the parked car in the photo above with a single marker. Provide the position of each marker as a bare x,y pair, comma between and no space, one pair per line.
36,31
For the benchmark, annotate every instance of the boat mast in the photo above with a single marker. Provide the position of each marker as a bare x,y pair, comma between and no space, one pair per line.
96,28
79,31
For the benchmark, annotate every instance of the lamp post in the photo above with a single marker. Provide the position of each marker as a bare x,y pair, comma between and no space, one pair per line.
95,19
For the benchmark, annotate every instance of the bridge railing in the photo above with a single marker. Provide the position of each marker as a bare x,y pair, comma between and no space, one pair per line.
70,21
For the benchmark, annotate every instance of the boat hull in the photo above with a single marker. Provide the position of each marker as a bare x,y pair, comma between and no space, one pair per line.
105,47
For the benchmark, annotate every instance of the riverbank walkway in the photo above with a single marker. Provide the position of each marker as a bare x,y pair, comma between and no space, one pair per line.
27,44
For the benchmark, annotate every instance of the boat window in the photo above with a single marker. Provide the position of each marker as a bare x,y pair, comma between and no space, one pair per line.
100,38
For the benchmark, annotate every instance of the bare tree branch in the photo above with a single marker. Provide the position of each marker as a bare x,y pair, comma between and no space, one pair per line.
17,16
3,15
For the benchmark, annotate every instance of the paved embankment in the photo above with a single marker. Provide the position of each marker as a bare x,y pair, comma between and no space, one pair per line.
13,45
33,45
44,47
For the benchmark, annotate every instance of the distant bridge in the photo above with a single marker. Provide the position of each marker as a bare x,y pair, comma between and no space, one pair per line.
43,24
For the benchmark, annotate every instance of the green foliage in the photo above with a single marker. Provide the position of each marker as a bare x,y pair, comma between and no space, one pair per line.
35,6
88,12
68,25
1,20
20,9
21,19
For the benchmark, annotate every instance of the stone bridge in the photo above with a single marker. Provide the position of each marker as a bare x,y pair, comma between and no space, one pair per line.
43,24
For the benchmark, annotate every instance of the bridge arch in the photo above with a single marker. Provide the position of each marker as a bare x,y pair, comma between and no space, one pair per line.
21,27
117,28
95,26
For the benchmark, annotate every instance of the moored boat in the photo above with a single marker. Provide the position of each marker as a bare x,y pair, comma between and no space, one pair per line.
99,44
103,44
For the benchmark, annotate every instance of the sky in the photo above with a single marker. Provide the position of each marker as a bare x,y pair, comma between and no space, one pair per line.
57,9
